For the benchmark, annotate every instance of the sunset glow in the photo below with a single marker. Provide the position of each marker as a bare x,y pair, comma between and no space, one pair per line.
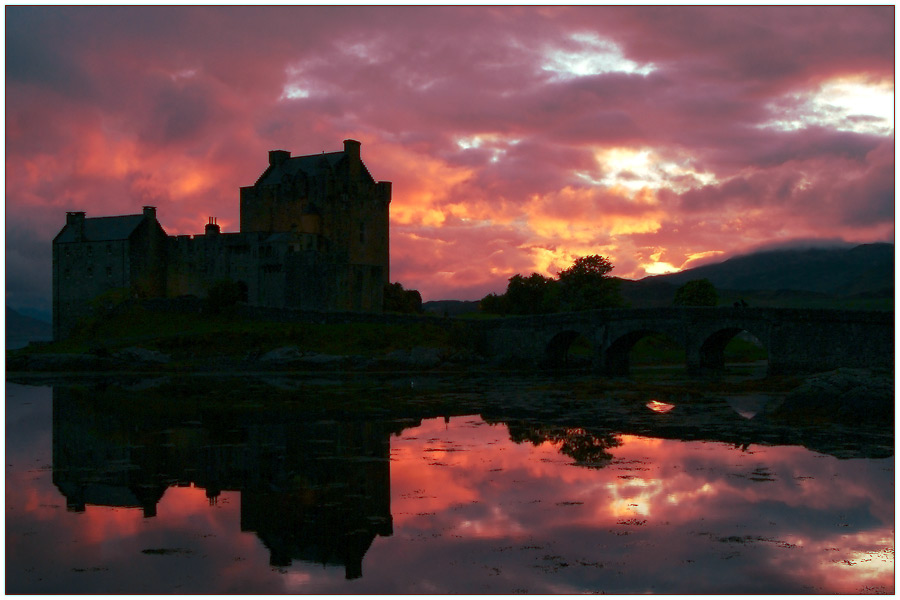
517,138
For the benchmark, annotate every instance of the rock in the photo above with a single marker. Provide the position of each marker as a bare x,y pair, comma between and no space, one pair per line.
466,357
416,358
58,362
141,355
425,358
293,357
850,396
282,355
313,358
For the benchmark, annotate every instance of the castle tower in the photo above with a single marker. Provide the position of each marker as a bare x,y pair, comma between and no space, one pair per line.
333,197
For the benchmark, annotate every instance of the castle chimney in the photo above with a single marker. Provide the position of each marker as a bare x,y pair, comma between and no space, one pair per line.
276,157
150,212
212,228
75,220
74,217
351,151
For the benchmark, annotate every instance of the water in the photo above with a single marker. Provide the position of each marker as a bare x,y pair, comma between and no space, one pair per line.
442,485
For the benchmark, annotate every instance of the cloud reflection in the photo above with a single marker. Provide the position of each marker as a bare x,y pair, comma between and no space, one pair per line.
477,507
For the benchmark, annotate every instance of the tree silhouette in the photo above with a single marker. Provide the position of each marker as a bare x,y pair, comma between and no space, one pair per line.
697,292
583,286
397,299
587,284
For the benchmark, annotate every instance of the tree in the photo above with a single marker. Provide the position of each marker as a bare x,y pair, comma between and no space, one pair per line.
583,286
587,285
396,299
494,304
697,292
529,295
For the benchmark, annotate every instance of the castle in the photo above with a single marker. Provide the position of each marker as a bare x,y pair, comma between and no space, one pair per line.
314,235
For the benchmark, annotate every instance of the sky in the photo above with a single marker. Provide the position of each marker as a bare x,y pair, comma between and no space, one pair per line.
517,138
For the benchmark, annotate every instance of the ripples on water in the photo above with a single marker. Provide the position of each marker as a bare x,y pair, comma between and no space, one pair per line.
442,487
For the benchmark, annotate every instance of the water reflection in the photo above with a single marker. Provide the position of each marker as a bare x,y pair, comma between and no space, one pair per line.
316,491
515,488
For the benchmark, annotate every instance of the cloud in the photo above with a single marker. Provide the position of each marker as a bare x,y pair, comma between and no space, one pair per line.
517,138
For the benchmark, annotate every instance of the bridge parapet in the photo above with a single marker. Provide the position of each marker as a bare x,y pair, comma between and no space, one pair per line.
797,340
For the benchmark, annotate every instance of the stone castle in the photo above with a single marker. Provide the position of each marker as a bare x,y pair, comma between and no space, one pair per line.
314,235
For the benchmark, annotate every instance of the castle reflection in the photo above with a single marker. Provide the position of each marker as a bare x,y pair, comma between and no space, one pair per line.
315,491
314,475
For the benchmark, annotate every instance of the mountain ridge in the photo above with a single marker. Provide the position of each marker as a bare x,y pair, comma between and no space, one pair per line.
21,329
839,271
860,276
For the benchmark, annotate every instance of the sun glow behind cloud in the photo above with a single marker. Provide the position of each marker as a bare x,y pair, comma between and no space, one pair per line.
495,144
845,104
634,169
586,54
296,86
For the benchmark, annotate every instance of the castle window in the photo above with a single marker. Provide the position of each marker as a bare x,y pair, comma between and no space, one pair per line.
90,250
362,233
109,249
90,271
109,271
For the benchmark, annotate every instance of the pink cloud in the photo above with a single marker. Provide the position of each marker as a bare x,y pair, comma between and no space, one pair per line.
488,120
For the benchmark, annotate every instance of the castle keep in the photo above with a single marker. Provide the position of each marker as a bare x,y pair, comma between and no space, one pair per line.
313,236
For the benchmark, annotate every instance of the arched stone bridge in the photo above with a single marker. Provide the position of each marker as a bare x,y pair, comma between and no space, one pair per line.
797,340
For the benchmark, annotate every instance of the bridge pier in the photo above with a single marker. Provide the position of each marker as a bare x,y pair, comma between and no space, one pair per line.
612,363
695,363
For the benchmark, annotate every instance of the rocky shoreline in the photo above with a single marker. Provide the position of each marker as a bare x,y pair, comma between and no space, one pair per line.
846,395
286,358
849,396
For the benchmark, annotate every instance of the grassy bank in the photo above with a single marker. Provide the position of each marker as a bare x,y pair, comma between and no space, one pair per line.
184,336
189,339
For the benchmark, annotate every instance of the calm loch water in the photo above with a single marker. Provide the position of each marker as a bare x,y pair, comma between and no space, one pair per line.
441,485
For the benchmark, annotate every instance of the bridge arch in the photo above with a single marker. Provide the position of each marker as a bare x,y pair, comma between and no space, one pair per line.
617,357
712,349
795,340
557,348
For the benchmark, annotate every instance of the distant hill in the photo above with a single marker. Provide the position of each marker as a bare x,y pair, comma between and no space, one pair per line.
450,308
837,271
859,277
21,329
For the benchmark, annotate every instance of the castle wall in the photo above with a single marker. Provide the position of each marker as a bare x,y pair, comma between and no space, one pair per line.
84,270
287,206
81,272
147,259
197,262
